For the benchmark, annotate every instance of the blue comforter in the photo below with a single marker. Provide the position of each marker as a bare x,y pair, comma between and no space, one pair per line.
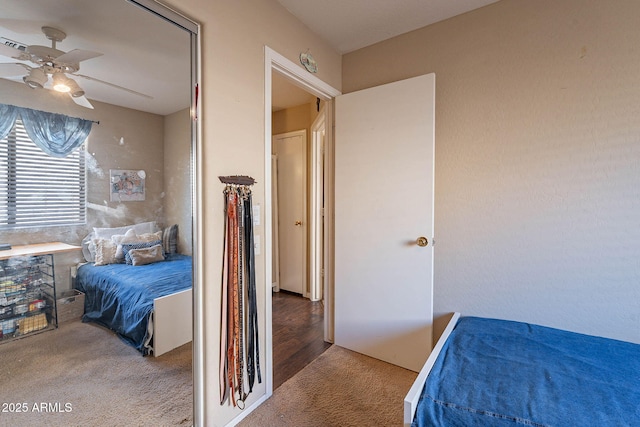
504,373
120,297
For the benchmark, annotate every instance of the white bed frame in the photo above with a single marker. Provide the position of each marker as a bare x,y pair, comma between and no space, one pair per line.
412,397
172,321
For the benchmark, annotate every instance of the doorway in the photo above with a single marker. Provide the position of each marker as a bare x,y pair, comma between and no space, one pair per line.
277,65
297,319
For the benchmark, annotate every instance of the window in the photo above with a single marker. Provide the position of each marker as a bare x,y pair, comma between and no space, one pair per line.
38,190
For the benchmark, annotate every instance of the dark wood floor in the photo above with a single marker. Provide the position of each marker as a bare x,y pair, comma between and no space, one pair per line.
298,334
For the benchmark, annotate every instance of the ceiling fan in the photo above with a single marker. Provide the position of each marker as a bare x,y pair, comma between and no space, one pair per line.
52,67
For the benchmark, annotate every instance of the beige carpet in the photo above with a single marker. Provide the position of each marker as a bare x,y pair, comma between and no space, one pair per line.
340,388
83,375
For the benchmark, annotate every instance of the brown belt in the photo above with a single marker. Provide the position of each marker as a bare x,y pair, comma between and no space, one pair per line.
224,367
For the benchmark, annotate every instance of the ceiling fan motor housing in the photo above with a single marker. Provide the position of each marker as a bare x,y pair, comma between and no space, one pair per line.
46,56
54,34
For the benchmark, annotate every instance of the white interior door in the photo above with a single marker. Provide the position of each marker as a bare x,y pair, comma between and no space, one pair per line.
384,175
291,151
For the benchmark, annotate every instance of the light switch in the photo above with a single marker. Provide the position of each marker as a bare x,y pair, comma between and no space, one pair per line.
256,244
256,215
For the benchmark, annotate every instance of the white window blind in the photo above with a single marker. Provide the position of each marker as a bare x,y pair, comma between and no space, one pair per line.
38,190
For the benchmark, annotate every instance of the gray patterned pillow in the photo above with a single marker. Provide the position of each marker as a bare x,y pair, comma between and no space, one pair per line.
170,239
127,247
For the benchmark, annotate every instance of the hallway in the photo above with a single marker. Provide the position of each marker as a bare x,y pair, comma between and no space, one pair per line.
298,334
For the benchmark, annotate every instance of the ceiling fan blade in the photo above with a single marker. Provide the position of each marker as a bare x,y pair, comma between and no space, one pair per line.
113,85
12,52
13,70
82,101
76,55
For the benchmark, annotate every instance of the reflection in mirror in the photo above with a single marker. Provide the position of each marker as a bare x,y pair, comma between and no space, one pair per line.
101,239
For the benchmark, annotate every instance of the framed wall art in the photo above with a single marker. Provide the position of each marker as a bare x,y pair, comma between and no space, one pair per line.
127,185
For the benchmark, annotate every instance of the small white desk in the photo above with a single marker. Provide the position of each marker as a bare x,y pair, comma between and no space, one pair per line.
38,249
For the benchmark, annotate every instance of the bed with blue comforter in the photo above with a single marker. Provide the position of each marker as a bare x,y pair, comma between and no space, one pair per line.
505,373
121,297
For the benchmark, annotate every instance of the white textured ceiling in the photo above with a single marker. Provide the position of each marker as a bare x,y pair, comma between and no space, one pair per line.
348,25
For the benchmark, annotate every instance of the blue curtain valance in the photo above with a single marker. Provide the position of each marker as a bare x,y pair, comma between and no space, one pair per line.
8,115
56,134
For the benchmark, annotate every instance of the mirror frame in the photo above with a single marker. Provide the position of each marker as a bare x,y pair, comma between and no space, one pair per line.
193,28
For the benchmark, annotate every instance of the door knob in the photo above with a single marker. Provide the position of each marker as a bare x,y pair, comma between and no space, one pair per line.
422,241
298,223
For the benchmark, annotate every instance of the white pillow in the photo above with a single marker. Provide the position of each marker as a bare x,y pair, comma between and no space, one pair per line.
143,227
105,251
118,239
89,248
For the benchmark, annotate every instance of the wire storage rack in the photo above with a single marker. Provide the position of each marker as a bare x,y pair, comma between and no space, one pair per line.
27,296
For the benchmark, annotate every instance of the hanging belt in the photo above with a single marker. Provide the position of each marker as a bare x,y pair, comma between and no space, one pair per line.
239,317
240,366
233,322
253,356
224,362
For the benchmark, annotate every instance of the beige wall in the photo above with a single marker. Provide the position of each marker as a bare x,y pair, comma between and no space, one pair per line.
233,38
294,118
125,139
537,154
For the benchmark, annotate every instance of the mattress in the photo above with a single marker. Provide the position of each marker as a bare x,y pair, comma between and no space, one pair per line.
503,373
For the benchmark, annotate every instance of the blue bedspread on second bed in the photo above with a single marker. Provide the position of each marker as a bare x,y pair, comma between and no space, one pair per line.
120,297
504,373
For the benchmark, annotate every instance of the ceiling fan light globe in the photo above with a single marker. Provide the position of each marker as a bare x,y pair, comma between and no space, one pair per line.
32,84
61,88
61,83
35,79
74,90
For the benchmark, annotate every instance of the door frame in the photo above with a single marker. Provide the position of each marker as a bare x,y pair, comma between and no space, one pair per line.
316,214
275,263
275,62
